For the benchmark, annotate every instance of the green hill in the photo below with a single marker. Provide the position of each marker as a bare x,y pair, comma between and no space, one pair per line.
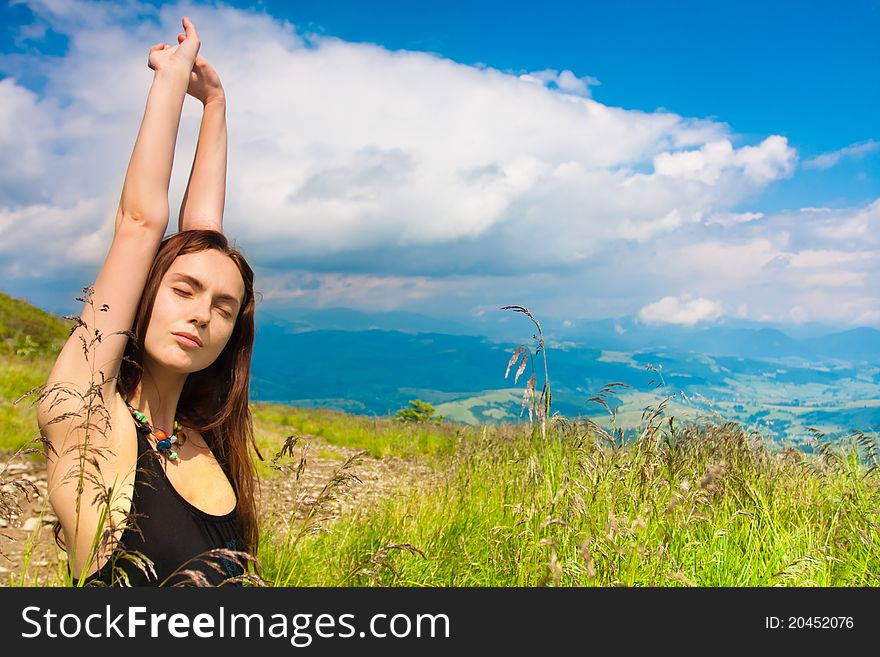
30,339
25,330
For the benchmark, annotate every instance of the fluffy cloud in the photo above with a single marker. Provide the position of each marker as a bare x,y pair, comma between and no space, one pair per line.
828,160
562,80
338,147
770,160
733,218
375,178
686,311
335,289
814,264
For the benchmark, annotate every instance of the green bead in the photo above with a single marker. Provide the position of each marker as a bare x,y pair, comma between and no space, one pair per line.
173,456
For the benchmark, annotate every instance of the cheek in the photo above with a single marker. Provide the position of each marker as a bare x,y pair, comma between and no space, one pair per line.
153,330
160,313
163,308
221,338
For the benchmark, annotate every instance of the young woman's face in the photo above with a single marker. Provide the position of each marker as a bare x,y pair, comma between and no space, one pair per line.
199,295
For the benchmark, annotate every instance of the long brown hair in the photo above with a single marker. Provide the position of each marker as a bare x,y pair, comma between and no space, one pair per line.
214,401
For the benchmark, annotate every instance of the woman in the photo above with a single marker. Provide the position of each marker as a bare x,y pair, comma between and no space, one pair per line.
145,414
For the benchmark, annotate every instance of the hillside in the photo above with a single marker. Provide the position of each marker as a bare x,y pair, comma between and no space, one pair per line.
30,338
26,330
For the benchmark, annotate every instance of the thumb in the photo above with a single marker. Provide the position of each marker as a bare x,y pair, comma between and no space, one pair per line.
189,28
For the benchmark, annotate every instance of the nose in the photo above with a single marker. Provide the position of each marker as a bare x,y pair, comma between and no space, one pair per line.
201,313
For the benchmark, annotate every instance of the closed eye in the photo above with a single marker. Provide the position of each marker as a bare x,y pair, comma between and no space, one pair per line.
184,293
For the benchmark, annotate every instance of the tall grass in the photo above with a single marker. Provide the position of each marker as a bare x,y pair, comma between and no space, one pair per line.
703,505
380,437
18,421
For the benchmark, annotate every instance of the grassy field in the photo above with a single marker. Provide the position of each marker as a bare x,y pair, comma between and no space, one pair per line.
701,505
29,340
704,505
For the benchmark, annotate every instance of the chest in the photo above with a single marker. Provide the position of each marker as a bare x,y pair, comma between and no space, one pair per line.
199,479
196,475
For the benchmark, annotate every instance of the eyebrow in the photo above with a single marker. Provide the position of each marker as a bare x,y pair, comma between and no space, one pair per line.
198,285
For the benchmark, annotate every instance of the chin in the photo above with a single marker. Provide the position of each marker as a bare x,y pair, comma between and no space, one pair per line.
177,362
182,368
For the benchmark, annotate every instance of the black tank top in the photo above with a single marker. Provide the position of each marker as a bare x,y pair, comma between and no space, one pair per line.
170,531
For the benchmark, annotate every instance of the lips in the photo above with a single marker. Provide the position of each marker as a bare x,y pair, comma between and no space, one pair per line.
189,338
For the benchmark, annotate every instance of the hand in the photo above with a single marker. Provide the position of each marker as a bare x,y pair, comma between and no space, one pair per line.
204,83
180,57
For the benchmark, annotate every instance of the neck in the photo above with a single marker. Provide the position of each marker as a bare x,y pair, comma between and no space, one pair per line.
157,395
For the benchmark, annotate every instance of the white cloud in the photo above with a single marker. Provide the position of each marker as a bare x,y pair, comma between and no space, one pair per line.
340,147
686,311
336,289
563,80
725,264
732,218
828,160
25,123
36,239
832,279
827,258
770,160
811,260
856,225
406,179
798,315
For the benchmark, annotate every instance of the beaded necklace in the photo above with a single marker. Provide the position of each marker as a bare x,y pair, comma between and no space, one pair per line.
164,442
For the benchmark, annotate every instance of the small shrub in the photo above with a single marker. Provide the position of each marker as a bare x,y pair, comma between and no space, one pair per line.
419,411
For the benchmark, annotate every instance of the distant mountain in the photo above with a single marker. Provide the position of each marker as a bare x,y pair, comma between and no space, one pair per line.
373,368
735,338
377,372
375,363
855,344
348,319
748,343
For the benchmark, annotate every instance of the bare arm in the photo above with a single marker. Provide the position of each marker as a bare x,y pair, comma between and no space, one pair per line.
205,196
141,221
81,389
145,190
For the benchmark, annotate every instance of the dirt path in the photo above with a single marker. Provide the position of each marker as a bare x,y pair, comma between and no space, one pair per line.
361,484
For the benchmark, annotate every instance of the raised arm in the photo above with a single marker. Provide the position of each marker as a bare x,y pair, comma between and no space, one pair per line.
80,394
145,190
205,196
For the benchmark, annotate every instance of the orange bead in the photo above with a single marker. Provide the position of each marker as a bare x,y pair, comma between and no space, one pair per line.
160,435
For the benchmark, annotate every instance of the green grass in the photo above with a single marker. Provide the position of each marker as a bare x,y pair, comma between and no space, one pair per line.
703,505
26,330
579,510
30,340
380,437
18,375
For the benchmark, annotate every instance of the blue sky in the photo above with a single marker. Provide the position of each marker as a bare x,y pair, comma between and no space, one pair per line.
693,163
